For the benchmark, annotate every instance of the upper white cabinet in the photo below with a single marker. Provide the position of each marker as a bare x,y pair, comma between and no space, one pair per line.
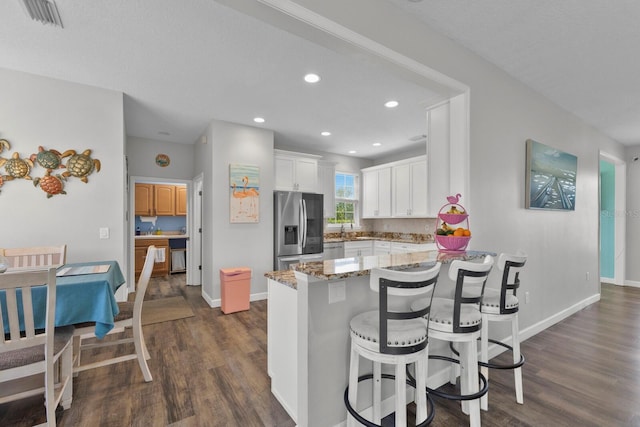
296,172
376,192
327,186
410,188
395,190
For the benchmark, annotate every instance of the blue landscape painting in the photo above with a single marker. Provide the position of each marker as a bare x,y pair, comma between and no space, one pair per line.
551,177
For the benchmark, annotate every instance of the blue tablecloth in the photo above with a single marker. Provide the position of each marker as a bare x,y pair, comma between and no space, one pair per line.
82,298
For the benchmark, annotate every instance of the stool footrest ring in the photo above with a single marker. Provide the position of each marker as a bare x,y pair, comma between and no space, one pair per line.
484,384
500,366
365,422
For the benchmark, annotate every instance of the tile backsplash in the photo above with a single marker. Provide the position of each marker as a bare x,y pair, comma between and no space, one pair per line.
400,225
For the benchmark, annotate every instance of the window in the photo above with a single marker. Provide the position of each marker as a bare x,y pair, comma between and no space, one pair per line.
346,198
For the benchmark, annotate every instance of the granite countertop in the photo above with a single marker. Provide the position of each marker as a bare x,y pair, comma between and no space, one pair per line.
389,237
361,266
286,277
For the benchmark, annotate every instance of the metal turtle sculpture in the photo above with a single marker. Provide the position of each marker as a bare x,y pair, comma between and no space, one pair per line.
4,144
48,159
50,184
16,167
80,165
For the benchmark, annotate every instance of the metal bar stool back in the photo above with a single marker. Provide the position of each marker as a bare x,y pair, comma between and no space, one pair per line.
393,334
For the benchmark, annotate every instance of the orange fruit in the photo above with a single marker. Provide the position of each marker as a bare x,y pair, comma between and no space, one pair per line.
459,232
467,233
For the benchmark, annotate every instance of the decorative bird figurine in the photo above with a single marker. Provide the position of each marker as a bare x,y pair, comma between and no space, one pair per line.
454,199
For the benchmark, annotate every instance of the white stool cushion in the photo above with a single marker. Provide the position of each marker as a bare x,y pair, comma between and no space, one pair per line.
491,301
365,331
441,315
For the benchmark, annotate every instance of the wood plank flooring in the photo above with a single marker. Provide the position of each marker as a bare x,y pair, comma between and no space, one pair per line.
211,370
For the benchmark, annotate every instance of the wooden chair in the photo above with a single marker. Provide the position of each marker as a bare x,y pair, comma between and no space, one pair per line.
130,316
40,256
26,354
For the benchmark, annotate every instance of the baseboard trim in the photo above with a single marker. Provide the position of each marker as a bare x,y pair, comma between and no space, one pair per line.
632,283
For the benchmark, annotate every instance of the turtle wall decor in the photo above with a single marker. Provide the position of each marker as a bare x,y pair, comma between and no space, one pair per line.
78,165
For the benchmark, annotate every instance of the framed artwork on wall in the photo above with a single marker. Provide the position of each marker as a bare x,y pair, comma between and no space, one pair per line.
244,193
551,178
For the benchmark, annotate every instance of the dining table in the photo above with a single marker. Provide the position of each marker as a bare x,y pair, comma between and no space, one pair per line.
81,296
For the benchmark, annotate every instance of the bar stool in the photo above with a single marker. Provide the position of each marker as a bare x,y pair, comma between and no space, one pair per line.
393,334
459,320
501,305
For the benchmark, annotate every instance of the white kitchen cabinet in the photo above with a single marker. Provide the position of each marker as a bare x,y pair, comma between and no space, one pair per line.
400,247
409,188
359,248
381,247
327,184
295,171
376,192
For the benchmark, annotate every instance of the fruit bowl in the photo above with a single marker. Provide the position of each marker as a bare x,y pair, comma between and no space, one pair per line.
453,243
453,218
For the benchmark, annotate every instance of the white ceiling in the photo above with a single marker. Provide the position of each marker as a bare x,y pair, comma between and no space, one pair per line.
181,64
581,54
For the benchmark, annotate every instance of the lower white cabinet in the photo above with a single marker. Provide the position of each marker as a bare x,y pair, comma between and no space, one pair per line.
381,247
360,248
398,247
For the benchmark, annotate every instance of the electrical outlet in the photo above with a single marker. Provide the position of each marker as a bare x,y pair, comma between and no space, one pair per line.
337,291
526,297
104,233
587,276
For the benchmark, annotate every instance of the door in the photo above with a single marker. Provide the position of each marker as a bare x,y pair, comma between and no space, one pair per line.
194,251
288,228
313,206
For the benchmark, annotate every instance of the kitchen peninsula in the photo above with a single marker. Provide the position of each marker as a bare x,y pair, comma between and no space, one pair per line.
308,327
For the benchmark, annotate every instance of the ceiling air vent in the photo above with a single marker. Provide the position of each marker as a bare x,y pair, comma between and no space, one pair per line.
44,11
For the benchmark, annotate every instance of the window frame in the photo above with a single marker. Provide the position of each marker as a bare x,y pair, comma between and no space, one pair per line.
355,200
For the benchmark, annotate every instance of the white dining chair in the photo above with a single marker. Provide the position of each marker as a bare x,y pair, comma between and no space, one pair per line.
130,316
26,351
36,256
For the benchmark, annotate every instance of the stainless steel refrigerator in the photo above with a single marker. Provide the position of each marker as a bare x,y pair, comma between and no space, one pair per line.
298,228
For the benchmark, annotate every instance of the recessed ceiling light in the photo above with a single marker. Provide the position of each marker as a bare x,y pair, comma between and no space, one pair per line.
352,151
325,133
376,144
258,120
391,104
312,78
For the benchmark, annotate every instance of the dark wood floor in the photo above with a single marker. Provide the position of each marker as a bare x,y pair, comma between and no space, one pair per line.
210,370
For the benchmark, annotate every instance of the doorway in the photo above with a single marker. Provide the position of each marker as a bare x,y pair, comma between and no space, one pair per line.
174,226
612,219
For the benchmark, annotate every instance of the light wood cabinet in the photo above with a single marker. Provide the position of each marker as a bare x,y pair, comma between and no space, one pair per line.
165,199
181,200
376,192
159,268
296,172
144,200
160,200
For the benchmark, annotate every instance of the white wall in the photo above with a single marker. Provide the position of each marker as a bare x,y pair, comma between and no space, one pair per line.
562,246
632,215
234,245
59,115
142,153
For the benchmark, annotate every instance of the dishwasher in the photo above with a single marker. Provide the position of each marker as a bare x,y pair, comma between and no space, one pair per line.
333,250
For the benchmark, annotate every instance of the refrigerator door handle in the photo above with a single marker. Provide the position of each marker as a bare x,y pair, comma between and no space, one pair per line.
304,223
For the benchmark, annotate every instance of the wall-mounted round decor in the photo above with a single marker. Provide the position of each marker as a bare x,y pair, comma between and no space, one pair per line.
162,160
